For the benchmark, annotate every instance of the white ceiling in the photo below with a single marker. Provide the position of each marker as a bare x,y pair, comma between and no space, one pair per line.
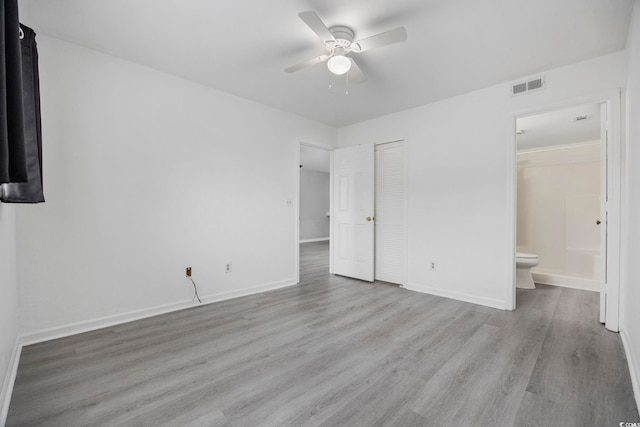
242,47
559,127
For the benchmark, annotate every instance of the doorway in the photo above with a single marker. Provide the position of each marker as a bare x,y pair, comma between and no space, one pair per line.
566,192
314,206
314,194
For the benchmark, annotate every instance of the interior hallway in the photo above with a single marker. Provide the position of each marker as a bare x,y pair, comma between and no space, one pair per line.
336,351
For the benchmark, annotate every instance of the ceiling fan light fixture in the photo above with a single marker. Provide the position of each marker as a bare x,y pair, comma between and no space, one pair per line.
339,64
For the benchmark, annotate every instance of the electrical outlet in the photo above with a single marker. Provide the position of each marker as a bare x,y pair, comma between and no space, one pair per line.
433,266
188,271
227,267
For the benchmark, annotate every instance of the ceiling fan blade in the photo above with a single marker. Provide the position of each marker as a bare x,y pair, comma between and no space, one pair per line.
355,73
383,39
306,64
315,23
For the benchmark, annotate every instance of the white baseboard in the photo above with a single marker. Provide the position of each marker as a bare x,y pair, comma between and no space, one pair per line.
319,239
474,299
634,369
566,281
116,319
7,385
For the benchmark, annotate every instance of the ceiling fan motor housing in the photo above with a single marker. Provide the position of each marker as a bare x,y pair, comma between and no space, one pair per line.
343,39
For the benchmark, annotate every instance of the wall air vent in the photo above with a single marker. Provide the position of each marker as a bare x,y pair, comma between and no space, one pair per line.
519,88
528,86
534,84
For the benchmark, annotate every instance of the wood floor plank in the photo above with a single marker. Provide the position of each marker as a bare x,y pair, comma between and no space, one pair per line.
336,351
581,371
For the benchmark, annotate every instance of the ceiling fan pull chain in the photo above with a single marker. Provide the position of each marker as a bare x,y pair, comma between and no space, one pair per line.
347,85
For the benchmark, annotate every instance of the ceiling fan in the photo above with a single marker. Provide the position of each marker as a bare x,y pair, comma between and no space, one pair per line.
339,43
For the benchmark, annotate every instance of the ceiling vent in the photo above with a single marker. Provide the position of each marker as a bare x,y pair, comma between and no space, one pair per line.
528,86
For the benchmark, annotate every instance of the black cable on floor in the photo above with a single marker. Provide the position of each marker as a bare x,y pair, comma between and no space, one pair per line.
195,288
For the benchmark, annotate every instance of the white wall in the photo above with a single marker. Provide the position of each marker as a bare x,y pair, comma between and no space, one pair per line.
8,302
457,177
630,293
314,204
558,205
145,174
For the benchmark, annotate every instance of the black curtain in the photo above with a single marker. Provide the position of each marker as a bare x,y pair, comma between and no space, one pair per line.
13,162
31,190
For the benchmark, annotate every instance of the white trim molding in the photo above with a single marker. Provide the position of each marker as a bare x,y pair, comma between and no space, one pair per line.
319,239
566,281
634,370
474,299
9,381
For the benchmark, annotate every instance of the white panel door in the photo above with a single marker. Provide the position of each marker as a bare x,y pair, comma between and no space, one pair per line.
390,212
604,215
353,210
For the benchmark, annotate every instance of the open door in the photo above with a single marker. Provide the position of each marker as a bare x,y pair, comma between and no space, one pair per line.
610,218
352,249
603,222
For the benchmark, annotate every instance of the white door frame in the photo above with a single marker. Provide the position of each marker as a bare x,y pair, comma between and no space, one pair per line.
297,204
613,101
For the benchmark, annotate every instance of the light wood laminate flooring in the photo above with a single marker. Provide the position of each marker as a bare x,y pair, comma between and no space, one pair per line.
336,352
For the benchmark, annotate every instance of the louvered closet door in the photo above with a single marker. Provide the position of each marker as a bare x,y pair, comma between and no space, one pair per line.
390,212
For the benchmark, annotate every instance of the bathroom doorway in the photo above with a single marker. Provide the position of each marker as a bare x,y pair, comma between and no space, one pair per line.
561,198
559,195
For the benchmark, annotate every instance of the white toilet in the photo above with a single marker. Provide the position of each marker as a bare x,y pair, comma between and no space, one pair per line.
524,263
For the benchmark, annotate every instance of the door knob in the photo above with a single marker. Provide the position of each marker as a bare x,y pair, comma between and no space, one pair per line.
369,218
598,222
